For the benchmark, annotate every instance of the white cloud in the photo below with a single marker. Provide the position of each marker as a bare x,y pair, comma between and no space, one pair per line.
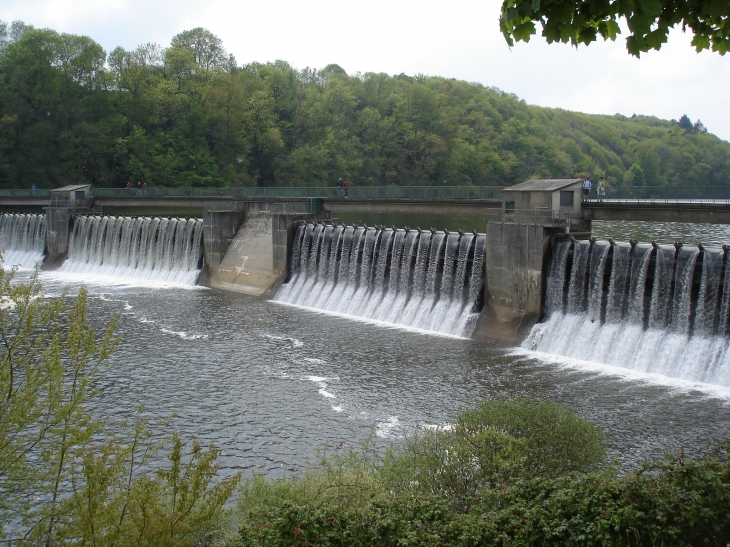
459,39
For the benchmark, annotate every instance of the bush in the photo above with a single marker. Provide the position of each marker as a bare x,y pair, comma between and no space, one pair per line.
509,474
493,445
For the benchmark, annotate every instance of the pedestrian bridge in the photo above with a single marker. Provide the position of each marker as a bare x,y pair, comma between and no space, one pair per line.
654,204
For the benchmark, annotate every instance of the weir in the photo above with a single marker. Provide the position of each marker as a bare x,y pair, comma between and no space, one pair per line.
22,239
528,280
660,309
419,279
160,249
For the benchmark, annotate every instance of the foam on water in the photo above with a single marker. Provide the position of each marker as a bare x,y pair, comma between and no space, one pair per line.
185,335
415,280
388,428
22,240
615,321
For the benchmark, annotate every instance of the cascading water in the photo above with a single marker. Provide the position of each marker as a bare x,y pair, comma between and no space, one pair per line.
159,249
639,307
422,280
22,239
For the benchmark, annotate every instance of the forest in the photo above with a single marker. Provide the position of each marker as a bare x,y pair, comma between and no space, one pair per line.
189,115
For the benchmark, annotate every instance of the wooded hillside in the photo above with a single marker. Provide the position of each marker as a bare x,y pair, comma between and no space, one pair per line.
189,115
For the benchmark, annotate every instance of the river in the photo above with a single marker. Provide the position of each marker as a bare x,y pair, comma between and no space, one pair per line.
272,384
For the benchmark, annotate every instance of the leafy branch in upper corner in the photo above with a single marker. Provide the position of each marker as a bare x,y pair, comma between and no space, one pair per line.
649,21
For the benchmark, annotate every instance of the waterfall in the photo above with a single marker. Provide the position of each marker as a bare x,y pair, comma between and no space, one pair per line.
556,278
22,239
158,249
657,309
421,280
708,304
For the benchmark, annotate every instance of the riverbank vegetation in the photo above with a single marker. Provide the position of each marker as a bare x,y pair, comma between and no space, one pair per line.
65,477
508,474
189,115
520,472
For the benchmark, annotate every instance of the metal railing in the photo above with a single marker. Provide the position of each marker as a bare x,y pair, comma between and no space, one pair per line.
660,194
541,215
361,192
39,193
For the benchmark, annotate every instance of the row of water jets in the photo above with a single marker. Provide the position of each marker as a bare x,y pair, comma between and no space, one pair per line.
22,239
639,306
420,279
661,309
165,250
160,249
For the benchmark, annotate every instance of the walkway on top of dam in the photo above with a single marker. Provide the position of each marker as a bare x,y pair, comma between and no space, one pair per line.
656,204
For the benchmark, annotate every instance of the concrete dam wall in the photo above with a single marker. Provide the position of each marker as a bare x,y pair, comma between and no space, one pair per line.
591,296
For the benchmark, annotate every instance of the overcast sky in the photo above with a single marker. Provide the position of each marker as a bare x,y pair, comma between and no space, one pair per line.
456,39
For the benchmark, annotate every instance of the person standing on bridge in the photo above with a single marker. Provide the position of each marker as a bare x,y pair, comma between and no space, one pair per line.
346,186
586,188
339,187
144,188
601,189
139,188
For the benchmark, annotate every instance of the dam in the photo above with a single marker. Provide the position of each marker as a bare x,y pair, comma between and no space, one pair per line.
527,281
269,380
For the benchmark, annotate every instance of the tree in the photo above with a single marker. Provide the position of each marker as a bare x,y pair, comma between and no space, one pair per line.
493,446
685,123
580,21
59,483
206,47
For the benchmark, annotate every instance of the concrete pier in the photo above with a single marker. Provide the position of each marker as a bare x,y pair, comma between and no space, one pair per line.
516,261
257,260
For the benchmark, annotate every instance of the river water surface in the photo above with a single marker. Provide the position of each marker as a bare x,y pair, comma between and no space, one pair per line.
271,384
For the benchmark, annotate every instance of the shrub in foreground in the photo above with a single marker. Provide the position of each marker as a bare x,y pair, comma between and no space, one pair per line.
508,474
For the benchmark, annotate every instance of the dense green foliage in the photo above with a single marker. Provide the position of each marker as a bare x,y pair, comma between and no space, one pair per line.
487,483
649,21
188,115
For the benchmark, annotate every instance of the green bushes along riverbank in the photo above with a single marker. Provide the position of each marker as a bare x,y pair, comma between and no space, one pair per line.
521,472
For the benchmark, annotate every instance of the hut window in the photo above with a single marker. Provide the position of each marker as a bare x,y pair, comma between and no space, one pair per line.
566,197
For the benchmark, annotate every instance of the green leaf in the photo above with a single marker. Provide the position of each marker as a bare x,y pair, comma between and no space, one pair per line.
551,33
700,42
652,8
587,35
639,24
656,38
612,30
523,31
634,46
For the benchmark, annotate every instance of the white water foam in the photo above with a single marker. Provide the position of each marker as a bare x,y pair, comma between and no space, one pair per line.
184,335
621,373
623,330
383,324
365,274
293,341
388,428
